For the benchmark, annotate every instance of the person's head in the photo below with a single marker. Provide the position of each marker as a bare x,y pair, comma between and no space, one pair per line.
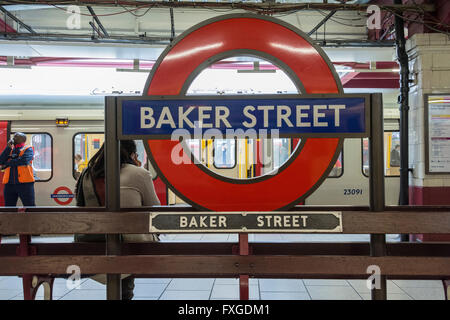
127,152
397,147
19,138
78,158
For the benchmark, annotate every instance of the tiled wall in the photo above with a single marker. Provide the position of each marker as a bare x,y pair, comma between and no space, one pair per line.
430,69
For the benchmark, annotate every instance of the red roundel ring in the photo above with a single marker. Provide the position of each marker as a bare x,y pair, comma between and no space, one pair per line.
273,40
66,201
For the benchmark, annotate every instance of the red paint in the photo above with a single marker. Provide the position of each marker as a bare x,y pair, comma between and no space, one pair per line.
243,287
429,196
63,201
4,27
161,191
243,278
3,142
385,80
254,34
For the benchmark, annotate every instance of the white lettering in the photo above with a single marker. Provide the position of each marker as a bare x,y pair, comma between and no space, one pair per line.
202,116
301,115
147,115
317,115
337,108
266,110
183,117
222,117
250,116
284,116
165,118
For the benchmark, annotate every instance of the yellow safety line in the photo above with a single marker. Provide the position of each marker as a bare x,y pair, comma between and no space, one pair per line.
246,158
388,164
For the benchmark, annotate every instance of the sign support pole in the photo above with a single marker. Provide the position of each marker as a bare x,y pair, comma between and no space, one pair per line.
112,201
243,278
376,180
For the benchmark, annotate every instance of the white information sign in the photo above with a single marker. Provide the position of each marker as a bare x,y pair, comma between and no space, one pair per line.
439,134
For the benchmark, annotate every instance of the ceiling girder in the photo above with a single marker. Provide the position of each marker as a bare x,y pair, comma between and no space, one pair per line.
166,40
99,24
13,17
268,7
322,22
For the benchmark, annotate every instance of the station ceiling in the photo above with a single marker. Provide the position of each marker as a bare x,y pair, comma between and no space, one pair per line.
142,32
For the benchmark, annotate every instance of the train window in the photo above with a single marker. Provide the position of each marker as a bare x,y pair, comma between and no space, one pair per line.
391,154
142,154
337,170
224,153
194,147
42,144
281,151
85,145
42,162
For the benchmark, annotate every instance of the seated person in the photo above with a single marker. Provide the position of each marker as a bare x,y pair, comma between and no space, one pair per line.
136,190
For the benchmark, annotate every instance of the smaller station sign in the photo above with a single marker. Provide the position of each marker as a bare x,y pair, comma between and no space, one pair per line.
254,222
62,195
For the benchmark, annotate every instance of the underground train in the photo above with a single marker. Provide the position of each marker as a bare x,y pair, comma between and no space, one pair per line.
64,144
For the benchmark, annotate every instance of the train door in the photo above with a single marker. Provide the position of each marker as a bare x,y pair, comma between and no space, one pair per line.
4,137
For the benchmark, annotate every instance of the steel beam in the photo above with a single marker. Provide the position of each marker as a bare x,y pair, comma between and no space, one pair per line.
95,29
172,25
22,24
403,100
163,41
263,7
100,25
321,23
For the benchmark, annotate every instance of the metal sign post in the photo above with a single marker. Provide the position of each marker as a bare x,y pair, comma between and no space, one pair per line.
112,200
376,180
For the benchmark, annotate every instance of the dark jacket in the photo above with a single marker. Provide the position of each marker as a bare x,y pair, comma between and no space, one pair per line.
14,161
395,158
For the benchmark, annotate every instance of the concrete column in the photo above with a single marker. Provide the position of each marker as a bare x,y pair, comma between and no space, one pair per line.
429,55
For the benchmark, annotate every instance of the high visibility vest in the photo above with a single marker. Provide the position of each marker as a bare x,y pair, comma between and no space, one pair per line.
25,173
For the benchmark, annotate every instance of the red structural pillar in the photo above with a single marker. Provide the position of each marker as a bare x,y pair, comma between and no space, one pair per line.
243,279
27,279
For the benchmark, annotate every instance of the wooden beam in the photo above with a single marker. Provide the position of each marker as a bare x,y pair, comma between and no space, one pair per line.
429,249
231,266
354,222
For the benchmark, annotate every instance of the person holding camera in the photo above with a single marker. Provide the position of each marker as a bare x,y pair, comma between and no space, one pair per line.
18,176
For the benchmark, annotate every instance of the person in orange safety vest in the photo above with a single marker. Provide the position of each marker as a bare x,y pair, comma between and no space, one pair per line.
18,176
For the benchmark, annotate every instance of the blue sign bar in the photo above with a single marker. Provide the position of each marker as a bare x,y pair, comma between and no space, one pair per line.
293,116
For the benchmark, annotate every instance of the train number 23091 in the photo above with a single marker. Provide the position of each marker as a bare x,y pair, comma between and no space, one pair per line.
352,192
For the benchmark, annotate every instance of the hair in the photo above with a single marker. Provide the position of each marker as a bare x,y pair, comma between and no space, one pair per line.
78,157
97,162
397,146
22,135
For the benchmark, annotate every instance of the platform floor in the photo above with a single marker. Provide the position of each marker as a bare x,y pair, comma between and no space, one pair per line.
228,289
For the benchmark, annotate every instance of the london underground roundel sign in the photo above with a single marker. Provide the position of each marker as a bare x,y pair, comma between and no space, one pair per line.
321,114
